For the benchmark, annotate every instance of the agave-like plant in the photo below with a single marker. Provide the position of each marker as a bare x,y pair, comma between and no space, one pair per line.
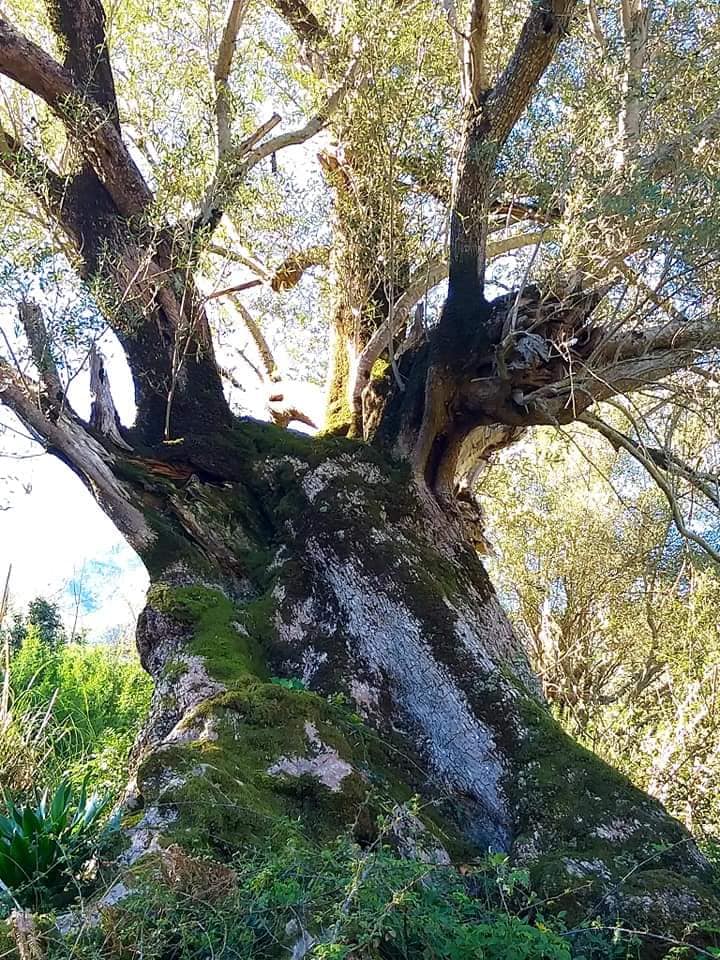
43,846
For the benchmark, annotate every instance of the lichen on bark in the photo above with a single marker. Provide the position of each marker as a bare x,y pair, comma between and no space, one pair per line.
361,591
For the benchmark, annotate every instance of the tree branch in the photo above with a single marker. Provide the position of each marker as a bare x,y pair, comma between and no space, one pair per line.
103,415
69,440
475,70
233,21
80,26
303,21
422,280
251,151
267,359
89,125
314,125
33,174
639,452
452,17
289,273
546,25
33,324
635,23
486,128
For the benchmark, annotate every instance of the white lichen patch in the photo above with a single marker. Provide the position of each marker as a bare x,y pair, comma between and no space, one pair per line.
318,479
294,628
326,765
616,831
389,645
191,729
312,660
145,836
364,695
586,868
315,482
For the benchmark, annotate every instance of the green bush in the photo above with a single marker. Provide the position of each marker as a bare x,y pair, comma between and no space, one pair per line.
76,711
42,846
348,902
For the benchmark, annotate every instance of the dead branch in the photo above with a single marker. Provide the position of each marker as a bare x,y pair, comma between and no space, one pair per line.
103,415
233,21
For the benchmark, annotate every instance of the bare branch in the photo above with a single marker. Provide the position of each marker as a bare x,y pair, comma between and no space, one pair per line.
314,125
252,150
594,21
622,442
635,23
547,23
68,439
233,21
452,16
103,415
475,70
253,327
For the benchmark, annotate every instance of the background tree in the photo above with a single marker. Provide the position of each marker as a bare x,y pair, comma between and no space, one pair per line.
618,612
145,168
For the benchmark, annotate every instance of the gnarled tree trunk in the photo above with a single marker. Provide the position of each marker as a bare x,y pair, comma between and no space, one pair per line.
317,568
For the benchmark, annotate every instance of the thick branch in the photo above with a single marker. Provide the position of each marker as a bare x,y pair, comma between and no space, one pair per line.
302,20
33,323
548,22
80,26
69,440
486,129
94,131
476,78
421,282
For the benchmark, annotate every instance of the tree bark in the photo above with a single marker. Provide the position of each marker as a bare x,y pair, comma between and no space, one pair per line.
323,565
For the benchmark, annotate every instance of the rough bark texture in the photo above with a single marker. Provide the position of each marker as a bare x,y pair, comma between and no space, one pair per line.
346,577
344,569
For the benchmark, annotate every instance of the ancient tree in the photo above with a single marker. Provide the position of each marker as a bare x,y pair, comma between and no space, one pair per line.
570,153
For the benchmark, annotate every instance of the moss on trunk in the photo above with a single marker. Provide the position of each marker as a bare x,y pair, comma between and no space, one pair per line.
340,650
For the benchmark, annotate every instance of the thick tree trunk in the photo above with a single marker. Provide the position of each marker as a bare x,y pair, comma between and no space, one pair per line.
327,568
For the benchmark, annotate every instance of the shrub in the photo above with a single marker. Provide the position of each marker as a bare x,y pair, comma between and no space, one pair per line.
43,846
72,710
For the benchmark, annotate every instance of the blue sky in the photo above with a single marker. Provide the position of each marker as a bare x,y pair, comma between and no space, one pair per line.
63,547
58,541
